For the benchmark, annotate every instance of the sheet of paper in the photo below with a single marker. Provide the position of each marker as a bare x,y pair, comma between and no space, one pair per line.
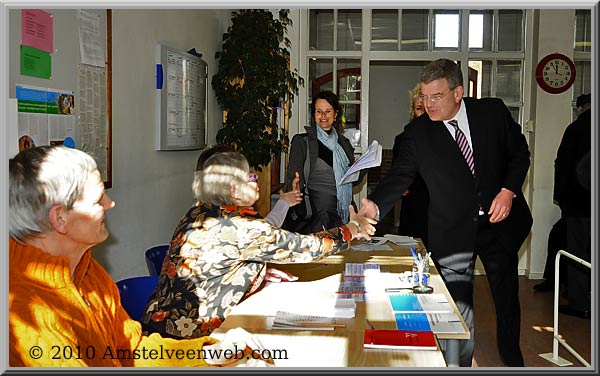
376,243
292,321
370,158
401,239
445,323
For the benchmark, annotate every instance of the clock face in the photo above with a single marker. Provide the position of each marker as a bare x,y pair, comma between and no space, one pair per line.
555,73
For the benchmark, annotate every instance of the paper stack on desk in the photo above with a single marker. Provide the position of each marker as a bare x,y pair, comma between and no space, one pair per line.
297,321
401,239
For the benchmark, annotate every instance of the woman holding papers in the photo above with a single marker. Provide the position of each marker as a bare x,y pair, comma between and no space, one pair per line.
321,156
218,253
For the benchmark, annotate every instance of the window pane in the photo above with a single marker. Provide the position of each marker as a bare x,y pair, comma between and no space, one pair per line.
480,30
350,115
384,30
583,79
480,78
349,29
510,30
515,113
583,25
348,79
414,29
508,81
446,30
320,76
321,29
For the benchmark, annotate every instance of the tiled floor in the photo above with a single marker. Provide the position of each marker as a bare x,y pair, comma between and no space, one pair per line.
537,325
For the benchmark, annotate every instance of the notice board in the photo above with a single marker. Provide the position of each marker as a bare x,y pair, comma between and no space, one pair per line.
180,100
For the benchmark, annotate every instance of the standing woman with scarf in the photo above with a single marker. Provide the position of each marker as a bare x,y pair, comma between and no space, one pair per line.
329,154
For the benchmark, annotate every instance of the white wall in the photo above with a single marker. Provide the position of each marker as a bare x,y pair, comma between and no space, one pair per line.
552,115
152,189
389,99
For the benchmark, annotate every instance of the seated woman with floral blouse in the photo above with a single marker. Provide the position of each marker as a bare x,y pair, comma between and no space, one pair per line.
219,251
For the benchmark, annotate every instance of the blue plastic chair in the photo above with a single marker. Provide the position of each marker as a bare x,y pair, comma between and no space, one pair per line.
155,257
135,292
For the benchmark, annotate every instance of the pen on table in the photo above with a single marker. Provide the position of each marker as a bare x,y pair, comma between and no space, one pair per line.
370,324
350,292
320,324
397,289
412,250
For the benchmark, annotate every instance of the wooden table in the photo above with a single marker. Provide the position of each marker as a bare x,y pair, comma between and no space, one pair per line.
342,347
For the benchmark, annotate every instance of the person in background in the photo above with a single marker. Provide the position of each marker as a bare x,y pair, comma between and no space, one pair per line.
60,298
219,251
574,199
415,200
330,154
473,159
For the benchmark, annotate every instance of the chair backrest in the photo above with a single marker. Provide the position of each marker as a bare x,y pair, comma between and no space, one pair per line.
135,292
155,257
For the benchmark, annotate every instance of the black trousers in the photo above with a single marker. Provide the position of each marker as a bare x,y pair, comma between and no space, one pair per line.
501,267
579,244
557,240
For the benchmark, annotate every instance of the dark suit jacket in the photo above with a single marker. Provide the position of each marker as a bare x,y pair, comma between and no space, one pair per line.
574,200
501,158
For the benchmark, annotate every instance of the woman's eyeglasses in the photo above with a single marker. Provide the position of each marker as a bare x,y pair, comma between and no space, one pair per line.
252,178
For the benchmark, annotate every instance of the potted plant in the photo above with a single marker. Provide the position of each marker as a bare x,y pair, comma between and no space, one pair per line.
253,78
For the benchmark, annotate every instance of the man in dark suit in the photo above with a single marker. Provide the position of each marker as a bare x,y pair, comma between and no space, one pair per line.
574,199
474,176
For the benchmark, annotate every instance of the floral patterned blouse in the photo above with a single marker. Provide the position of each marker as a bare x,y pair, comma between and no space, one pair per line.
217,258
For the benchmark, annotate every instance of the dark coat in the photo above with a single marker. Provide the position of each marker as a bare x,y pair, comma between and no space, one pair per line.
572,197
501,158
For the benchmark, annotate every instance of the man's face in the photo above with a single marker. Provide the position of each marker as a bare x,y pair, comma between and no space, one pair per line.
441,103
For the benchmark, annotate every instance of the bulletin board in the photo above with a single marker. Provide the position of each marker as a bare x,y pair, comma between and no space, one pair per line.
61,80
180,100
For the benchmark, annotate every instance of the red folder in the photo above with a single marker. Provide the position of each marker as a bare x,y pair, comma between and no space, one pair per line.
399,339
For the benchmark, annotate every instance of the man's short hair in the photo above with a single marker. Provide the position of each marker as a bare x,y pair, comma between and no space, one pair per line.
583,99
442,68
40,178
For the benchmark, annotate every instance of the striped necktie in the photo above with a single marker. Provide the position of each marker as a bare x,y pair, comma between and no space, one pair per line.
463,145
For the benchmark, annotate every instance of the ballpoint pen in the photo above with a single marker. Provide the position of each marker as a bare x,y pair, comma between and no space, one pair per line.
370,324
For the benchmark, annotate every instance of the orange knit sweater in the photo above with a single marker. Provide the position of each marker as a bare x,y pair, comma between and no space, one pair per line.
57,321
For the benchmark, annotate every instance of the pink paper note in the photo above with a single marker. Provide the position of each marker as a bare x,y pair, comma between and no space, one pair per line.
37,29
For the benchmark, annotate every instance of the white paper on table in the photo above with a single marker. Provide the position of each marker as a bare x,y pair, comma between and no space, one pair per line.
401,239
376,243
448,322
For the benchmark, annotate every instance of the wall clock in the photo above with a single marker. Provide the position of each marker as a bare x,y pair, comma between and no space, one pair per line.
555,73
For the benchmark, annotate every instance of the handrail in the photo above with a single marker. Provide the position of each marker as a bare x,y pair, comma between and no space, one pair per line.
555,358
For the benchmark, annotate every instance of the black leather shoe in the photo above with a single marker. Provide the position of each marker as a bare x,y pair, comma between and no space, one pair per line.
567,310
544,286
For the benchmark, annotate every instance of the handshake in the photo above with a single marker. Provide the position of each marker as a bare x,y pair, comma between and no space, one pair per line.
365,220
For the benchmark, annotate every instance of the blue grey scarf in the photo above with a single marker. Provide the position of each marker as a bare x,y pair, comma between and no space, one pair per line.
340,166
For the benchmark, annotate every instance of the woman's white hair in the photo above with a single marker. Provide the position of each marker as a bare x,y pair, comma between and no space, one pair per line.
41,178
222,171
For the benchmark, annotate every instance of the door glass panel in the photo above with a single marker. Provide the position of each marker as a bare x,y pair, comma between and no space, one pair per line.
348,79
349,30
508,81
321,29
510,30
446,30
319,76
480,78
415,29
583,25
384,30
583,79
515,113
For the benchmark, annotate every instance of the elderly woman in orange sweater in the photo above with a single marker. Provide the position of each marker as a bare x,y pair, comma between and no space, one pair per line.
64,308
